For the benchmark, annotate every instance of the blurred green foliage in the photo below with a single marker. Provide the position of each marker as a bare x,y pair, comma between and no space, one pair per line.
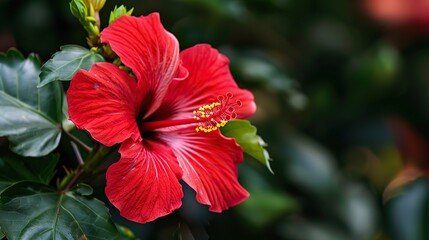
342,103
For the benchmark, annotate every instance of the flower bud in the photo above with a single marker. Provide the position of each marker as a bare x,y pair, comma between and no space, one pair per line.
96,4
119,12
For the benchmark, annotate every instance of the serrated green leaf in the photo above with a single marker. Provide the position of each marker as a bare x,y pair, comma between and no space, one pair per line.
66,62
245,135
15,168
119,12
30,116
36,211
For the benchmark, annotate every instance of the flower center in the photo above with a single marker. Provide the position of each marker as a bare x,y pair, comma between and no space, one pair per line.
206,118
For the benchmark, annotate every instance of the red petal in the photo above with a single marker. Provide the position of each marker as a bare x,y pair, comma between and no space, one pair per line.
209,77
209,163
103,101
149,50
144,184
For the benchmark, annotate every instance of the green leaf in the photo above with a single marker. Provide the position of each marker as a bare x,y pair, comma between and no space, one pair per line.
125,233
309,165
407,213
36,211
264,207
266,203
245,135
119,12
65,63
302,228
30,116
14,168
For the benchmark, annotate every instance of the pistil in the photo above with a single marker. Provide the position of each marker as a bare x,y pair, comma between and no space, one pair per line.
206,118
149,126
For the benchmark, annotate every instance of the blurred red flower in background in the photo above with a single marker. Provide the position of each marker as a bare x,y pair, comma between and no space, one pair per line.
400,13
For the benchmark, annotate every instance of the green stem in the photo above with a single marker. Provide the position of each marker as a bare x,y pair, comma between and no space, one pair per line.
77,153
95,157
97,19
78,141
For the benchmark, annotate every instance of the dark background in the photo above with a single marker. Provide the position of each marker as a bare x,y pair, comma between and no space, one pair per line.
342,95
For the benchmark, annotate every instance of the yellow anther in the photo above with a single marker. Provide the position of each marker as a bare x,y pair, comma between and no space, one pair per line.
213,116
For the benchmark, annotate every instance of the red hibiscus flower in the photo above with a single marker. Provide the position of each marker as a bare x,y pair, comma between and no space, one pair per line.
167,120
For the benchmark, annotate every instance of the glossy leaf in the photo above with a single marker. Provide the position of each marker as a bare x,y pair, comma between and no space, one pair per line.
30,116
245,135
309,165
407,213
14,168
357,208
65,63
36,211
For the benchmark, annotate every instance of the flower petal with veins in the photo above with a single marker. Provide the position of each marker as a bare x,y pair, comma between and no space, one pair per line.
144,184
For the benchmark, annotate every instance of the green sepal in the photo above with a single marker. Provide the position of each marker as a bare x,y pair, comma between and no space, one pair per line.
119,12
245,135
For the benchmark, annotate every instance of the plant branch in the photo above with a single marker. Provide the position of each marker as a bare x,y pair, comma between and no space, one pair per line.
78,141
77,153
90,165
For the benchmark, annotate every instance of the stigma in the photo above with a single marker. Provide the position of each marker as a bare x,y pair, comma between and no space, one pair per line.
213,116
